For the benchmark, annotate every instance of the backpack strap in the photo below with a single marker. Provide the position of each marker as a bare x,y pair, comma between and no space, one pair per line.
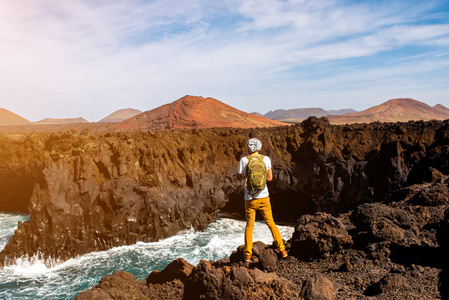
260,157
248,157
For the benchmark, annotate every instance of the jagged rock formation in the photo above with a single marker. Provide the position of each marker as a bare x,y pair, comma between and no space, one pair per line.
89,192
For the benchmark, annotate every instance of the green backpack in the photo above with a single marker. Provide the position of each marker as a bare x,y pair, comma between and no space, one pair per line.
256,174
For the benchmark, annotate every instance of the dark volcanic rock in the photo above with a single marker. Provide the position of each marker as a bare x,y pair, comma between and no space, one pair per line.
264,257
443,240
208,282
443,232
317,288
378,222
177,269
268,259
319,235
120,285
388,283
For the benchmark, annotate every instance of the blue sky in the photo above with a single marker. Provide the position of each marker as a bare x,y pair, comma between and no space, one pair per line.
67,59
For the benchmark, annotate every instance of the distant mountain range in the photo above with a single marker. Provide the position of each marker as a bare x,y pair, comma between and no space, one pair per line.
9,118
121,115
199,112
194,112
395,110
62,121
300,114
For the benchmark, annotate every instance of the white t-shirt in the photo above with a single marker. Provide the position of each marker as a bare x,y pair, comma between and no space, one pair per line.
241,169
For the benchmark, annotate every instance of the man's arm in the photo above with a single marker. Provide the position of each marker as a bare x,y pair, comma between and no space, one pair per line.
240,168
269,175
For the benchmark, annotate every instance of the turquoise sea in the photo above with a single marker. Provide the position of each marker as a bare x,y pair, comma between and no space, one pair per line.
31,279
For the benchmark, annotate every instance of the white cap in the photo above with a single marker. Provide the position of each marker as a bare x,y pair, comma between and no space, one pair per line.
254,145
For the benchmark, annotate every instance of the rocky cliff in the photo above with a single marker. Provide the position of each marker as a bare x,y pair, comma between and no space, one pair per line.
89,192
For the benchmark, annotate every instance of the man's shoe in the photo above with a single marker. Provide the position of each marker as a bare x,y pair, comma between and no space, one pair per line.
283,253
247,258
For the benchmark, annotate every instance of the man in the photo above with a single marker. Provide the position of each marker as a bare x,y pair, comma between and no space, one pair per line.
257,200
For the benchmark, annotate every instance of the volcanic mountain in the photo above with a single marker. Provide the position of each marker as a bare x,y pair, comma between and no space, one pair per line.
194,112
10,118
442,109
121,115
395,110
62,121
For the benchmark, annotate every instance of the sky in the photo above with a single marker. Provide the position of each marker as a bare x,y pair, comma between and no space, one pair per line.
89,58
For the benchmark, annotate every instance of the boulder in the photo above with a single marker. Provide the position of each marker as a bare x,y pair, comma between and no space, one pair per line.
177,269
207,282
377,222
234,282
264,256
389,283
317,287
268,259
318,235
119,285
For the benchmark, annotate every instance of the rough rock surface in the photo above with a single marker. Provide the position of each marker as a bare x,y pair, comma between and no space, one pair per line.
317,287
122,286
90,191
177,269
319,235
234,282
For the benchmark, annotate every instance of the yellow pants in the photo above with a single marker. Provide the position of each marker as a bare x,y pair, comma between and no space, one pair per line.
264,206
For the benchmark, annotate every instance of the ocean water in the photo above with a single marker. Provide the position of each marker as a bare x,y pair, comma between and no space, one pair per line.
31,279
